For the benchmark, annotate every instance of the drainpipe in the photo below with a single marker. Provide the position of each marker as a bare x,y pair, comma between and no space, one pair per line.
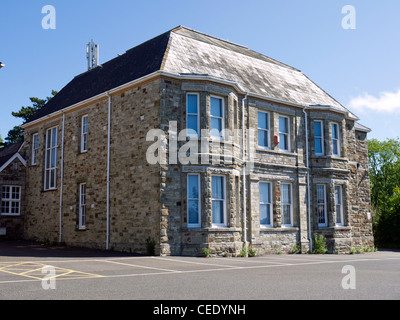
308,179
244,175
108,170
62,177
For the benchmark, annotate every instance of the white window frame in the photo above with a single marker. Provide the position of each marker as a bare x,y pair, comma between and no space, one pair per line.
224,224
82,206
340,205
324,204
51,184
284,133
333,124
222,119
10,200
189,134
320,137
194,225
84,133
290,204
35,146
267,204
268,146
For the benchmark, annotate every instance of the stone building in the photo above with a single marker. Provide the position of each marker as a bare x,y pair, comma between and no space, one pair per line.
268,158
12,191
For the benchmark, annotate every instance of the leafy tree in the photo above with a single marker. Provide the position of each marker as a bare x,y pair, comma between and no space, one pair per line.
25,113
384,160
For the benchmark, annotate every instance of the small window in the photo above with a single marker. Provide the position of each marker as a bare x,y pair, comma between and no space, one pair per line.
51,159
286,203
335,140
10,200
217,118
193,200
192,115
263,129
319,137
284,133
321,205
265,204
339,205
35,145
84,133
82,206
218,201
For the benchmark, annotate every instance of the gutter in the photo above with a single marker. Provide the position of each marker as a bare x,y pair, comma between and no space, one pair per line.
108,169
308,179
244,177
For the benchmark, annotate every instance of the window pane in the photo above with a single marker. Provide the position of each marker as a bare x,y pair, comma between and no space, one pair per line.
334,131
192,103
318,145
193,186
263,138
286,214
335,147
216,107
283,125
218,212
193,212
216,127
285,193
263,120
317,129
265,215
217,187
192,123
54,137
283,142
265,193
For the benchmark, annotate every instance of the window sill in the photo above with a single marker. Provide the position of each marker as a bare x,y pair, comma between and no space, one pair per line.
269,150
212,229
279,229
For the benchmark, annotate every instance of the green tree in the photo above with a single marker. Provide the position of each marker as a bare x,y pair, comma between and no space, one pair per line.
16,134
384,160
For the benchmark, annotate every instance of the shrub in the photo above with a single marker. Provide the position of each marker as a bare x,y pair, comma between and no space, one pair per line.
319,244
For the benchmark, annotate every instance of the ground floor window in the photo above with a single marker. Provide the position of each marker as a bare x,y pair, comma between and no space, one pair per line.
265,204
82,206
193,200
218,201
10,200
286,205
321,205
339,205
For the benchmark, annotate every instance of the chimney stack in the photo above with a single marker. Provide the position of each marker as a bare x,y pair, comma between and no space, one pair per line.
92,55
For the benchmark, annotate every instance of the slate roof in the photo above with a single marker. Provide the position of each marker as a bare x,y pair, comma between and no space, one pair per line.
185,51
8,152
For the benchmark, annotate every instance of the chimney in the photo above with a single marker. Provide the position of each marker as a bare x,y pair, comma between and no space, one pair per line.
92,55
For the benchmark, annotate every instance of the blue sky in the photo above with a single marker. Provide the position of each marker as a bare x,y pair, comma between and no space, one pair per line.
359,68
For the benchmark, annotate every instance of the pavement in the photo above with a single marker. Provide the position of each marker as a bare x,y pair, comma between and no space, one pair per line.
31,271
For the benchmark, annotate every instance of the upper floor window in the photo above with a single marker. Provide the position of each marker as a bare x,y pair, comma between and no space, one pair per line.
51,159
84,133
263,129
192,115
335,139
193,200
217,117
10,200
319,137
284,133
35,145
